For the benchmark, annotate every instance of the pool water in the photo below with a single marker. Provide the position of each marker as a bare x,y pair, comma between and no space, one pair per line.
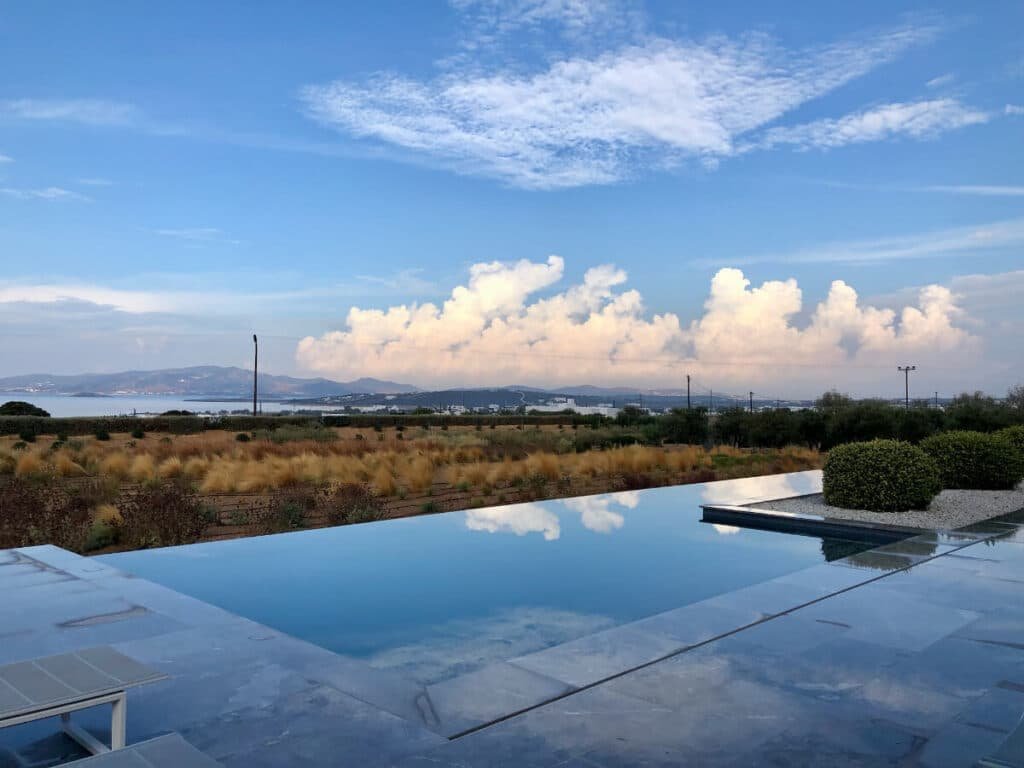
440,595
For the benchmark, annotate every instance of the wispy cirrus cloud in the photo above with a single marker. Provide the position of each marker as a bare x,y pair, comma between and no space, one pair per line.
95,181
955,241
199,235
87,111
983,190
1013,109
43,193
489,20
941,80
6,158
654,103
919,119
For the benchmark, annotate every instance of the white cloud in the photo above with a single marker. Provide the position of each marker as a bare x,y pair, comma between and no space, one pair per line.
944,242
87,111
598,119
596,513
1013,109
6,158
198,235
405,282
519,519
489,20
45,193
92,181
496,330
984,190
917,120
134,302
941,80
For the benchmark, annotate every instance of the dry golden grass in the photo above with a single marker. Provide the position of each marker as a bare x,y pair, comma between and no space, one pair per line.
142,469
384,482
217,463
115,465
29,465
65,466
108,514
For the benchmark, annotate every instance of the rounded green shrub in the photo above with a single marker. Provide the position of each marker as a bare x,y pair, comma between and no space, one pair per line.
975,460
880,476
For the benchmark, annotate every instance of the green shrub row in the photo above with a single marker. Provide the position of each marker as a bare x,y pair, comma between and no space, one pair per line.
976,460
90,425
880,476
891,475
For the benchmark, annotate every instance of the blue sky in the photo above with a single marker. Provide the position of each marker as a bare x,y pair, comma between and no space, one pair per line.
175,178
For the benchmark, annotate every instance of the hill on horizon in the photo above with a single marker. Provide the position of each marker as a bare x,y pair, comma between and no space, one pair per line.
200,380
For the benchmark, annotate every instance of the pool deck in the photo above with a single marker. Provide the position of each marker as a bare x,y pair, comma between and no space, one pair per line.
910,654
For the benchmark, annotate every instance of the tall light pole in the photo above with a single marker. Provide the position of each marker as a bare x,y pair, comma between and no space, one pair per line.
687,391
905,370
255,365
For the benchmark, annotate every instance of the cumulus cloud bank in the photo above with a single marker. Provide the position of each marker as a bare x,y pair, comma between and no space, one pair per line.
508,325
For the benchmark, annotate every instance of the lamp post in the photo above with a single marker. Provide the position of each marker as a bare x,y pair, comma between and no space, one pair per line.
255,365
905,370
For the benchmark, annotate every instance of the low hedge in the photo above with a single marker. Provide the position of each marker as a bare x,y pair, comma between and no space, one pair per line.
976,460
880,476
1014,435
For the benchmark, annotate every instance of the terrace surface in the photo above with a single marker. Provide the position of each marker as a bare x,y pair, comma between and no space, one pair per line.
908,654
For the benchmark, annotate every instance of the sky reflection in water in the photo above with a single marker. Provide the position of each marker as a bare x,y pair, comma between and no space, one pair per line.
443,594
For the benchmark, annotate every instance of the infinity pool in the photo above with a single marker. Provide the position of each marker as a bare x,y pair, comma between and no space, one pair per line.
441,595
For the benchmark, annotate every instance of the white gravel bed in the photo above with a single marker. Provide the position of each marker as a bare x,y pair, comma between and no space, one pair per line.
950,509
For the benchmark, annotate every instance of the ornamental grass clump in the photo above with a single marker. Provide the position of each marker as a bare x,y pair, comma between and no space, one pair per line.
880,476
976,460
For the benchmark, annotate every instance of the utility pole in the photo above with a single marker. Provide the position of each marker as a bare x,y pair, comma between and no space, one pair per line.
905,370
255,365
936,399
751,402
711,401
687,391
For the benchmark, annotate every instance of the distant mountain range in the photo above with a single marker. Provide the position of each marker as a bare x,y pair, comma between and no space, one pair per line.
197,381
229,383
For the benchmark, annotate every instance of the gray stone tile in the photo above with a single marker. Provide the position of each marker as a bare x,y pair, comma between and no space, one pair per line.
487,694
872,682
827,579
950,581
25,578
839,740
964,668
699,622
786,634
1001,709
69,562
316,726
1003,629
599,656
890,618
989,528
959,745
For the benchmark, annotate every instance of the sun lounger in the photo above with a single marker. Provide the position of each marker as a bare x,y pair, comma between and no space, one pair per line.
63,684
170,751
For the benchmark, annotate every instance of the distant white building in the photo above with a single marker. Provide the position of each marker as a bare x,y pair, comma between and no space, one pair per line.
558,404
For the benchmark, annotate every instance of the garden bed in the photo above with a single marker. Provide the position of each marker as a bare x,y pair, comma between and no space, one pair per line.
950,509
